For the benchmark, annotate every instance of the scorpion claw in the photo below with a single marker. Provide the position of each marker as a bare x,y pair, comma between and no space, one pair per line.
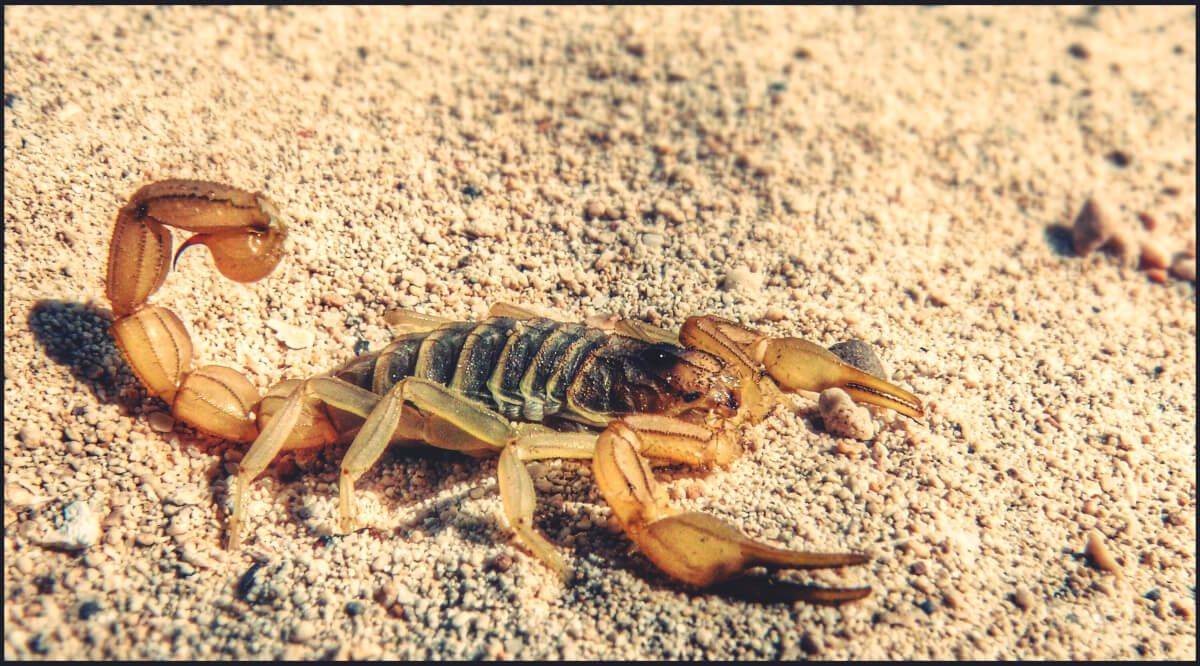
797,364
693,547
704,550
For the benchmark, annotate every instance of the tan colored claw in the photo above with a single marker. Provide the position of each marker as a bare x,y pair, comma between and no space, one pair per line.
696,548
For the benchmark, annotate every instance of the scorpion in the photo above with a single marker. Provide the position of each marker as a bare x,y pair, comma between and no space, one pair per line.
656,397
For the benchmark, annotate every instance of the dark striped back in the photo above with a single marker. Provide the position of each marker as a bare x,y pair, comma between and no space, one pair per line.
519,367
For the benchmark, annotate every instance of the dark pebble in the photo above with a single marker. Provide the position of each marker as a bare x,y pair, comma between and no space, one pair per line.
1153,595
248,581
354,608
926,606
38,644
45,584
860,355
87,609
809,644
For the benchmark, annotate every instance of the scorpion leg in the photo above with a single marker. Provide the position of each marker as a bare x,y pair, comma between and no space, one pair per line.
793,365
418,409
693,547
404,321
293,419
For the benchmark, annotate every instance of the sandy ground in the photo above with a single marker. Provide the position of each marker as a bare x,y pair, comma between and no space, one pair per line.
903,176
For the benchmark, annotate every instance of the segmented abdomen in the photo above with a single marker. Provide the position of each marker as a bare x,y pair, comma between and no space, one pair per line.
522,368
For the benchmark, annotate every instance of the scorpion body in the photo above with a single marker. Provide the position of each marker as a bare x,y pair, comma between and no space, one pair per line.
656,397
537,369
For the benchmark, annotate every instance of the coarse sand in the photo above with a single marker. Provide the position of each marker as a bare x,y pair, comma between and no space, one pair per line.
904,176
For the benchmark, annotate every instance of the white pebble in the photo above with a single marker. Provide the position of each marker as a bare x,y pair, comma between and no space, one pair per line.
80,528
292,336
843,417
741,279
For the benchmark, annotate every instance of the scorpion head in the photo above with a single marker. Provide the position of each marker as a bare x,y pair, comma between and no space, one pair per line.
687,382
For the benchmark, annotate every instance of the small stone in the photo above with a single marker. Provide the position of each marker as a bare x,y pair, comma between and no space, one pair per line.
1124,245
303,632
741,279
1094,226
386,594
354,608
502,563
811,643
381,563
80,528
1023,599
25,564
482,226
293,337
1184,609
1101,557
333,299
774,313
87,609
30,435
1184,268
1157,275
669,210
653,240
860,355
1149,222
1153,255
596,209
844,418
415,277
161,421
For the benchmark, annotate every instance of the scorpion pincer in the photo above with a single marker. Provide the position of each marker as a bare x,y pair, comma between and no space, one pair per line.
656,397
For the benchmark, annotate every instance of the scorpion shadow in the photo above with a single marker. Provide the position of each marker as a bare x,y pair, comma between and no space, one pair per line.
75,335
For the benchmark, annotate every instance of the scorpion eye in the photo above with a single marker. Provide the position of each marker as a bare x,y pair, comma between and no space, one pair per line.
692,397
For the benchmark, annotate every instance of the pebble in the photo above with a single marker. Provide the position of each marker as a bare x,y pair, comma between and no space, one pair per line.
1023,598
303,632
596,209
844,418
774,313
80,529
1153,255
1184,268
293,337
741,279
161,422
860,355
482,226
669,210
811,643
30,435
653,240
1094,226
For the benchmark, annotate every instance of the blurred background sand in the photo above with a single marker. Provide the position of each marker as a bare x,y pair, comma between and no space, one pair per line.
906,176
